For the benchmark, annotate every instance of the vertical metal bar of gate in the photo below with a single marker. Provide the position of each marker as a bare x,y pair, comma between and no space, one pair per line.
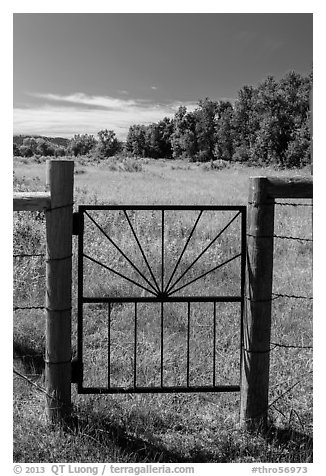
80,300
162,284
109,345
214,344
162,344
135,348
188,346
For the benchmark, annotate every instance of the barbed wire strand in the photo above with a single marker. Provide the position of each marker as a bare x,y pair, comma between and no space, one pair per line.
18,308
290,346
18,356
278,296
47,210
290,296
296,238
28,255
294,204
290,388
289,204
268,351
38,387
281,237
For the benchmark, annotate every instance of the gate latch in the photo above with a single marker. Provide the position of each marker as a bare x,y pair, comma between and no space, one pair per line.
75,223
76,371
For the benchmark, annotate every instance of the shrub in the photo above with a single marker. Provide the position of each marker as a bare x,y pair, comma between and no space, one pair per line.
132,165
241,154
203,156
215,165
60,152
25,151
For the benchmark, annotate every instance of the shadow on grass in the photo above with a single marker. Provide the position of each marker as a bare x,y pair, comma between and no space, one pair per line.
108,433
291,439
135,449
32,360
280,445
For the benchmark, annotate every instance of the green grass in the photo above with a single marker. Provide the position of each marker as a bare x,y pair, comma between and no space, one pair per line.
153,427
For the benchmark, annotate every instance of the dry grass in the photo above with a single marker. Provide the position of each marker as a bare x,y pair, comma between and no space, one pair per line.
166,428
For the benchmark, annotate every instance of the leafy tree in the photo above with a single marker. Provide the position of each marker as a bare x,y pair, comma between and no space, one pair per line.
60,152
269,118
152,141
246,121
136,140
272,135
107,144
25,151
82,144
224,136
16,150
166,127
298,152
158,139
205,133
283,110
44,147
180,126
206,126
31,144
183,138
295,91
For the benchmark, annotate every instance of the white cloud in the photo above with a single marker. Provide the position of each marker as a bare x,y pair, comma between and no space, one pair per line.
123,91
82,99
78,114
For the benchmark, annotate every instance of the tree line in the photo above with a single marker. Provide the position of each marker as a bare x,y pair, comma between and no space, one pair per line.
106,145
267,124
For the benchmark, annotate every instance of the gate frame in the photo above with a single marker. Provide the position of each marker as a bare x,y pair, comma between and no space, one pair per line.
162,297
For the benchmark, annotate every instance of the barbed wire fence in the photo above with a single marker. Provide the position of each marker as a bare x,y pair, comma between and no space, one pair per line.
29,291
281,390
37,259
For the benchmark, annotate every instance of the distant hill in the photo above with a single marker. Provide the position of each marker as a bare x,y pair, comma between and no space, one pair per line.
60,141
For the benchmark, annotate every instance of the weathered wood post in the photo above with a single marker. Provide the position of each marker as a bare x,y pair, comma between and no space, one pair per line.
59,178
257,320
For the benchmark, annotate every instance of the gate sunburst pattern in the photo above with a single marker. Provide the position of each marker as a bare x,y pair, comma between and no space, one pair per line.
158,254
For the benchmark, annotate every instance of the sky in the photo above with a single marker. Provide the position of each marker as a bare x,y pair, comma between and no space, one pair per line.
76,73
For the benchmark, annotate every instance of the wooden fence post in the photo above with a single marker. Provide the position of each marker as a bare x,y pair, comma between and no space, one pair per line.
59,178
257,319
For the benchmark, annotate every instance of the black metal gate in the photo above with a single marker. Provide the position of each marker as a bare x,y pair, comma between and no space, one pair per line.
134,263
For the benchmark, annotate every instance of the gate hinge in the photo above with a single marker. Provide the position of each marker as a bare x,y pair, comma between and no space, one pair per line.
75,223
76,371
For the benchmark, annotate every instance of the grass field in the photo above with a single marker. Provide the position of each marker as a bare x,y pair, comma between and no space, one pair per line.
199,427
